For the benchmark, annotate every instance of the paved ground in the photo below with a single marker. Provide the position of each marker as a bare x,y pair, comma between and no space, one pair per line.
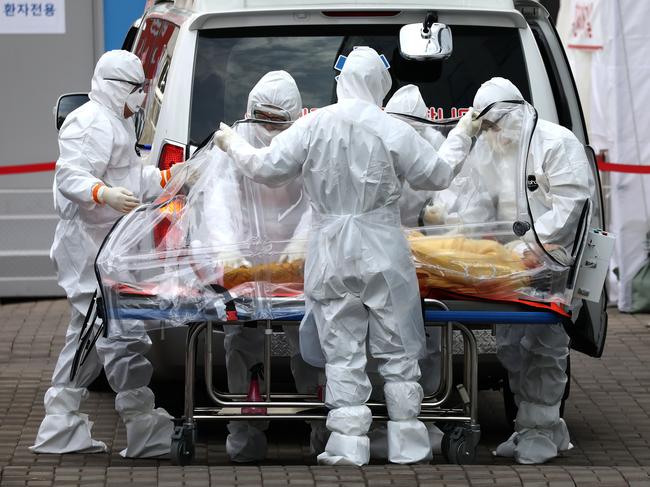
608,415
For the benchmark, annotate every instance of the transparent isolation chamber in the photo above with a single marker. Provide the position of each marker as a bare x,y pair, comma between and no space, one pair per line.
216,245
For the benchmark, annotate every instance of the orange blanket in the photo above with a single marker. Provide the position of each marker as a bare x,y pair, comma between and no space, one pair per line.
473,267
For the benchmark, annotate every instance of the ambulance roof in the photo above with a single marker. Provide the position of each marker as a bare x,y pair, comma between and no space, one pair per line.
209,6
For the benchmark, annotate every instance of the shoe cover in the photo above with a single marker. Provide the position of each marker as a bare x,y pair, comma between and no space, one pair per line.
246,442
507,448
350,420
560,436
318,437
408,441
542,433
403,399
148,430
378,436
148,434
435,438
64,429
66,433
535,446
345,450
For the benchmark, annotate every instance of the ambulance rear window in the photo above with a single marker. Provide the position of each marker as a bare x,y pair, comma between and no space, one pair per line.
230,61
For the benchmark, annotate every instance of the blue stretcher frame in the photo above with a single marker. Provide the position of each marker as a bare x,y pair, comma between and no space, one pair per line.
432,316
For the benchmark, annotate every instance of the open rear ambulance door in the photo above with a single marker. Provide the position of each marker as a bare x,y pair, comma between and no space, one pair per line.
589,330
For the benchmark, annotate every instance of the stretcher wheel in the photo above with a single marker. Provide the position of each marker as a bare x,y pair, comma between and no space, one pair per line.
183,445
457,448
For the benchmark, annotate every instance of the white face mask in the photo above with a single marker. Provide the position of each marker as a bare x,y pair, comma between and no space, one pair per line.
135,100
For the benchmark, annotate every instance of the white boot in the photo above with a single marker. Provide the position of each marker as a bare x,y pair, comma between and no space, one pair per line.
540,432
148,430
408,442
408,437
348,443
345,450
64,429
378,435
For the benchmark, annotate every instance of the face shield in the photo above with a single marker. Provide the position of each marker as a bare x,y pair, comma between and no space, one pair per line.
501,129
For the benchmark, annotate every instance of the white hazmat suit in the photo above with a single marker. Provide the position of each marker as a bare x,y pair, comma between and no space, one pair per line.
536,356
408,101
284,216
360,282
97,157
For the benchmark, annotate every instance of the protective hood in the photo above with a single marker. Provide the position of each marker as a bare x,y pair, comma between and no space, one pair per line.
363,77
504,141
118,65
495,90
408,100
276,88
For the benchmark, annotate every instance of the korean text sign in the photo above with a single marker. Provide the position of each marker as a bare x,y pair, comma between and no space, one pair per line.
35,17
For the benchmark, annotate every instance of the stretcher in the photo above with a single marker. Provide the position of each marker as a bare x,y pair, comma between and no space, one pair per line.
455,413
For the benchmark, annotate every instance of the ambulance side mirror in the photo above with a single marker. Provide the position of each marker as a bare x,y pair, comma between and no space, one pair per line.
66,104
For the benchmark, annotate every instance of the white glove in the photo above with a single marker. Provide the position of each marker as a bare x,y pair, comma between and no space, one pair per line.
192,176
559,253
233,259
295,250
120,199
469,124
517,246
223,137
434,214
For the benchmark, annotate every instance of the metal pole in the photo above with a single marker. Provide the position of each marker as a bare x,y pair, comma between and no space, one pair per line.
471,354
268,333
190,365
447,373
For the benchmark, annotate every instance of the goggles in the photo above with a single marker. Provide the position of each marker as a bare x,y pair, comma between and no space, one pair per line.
271,116
135,84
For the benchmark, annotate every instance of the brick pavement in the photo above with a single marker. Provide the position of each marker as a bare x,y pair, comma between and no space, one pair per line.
608,414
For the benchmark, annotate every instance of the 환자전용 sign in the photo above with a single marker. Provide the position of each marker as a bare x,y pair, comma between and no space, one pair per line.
35,17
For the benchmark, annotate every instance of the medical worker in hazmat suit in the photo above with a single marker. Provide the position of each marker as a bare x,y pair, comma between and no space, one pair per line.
406,103
536,356
284,216
99,177
360,282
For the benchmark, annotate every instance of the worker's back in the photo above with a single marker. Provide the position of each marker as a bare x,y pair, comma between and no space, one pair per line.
350,167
